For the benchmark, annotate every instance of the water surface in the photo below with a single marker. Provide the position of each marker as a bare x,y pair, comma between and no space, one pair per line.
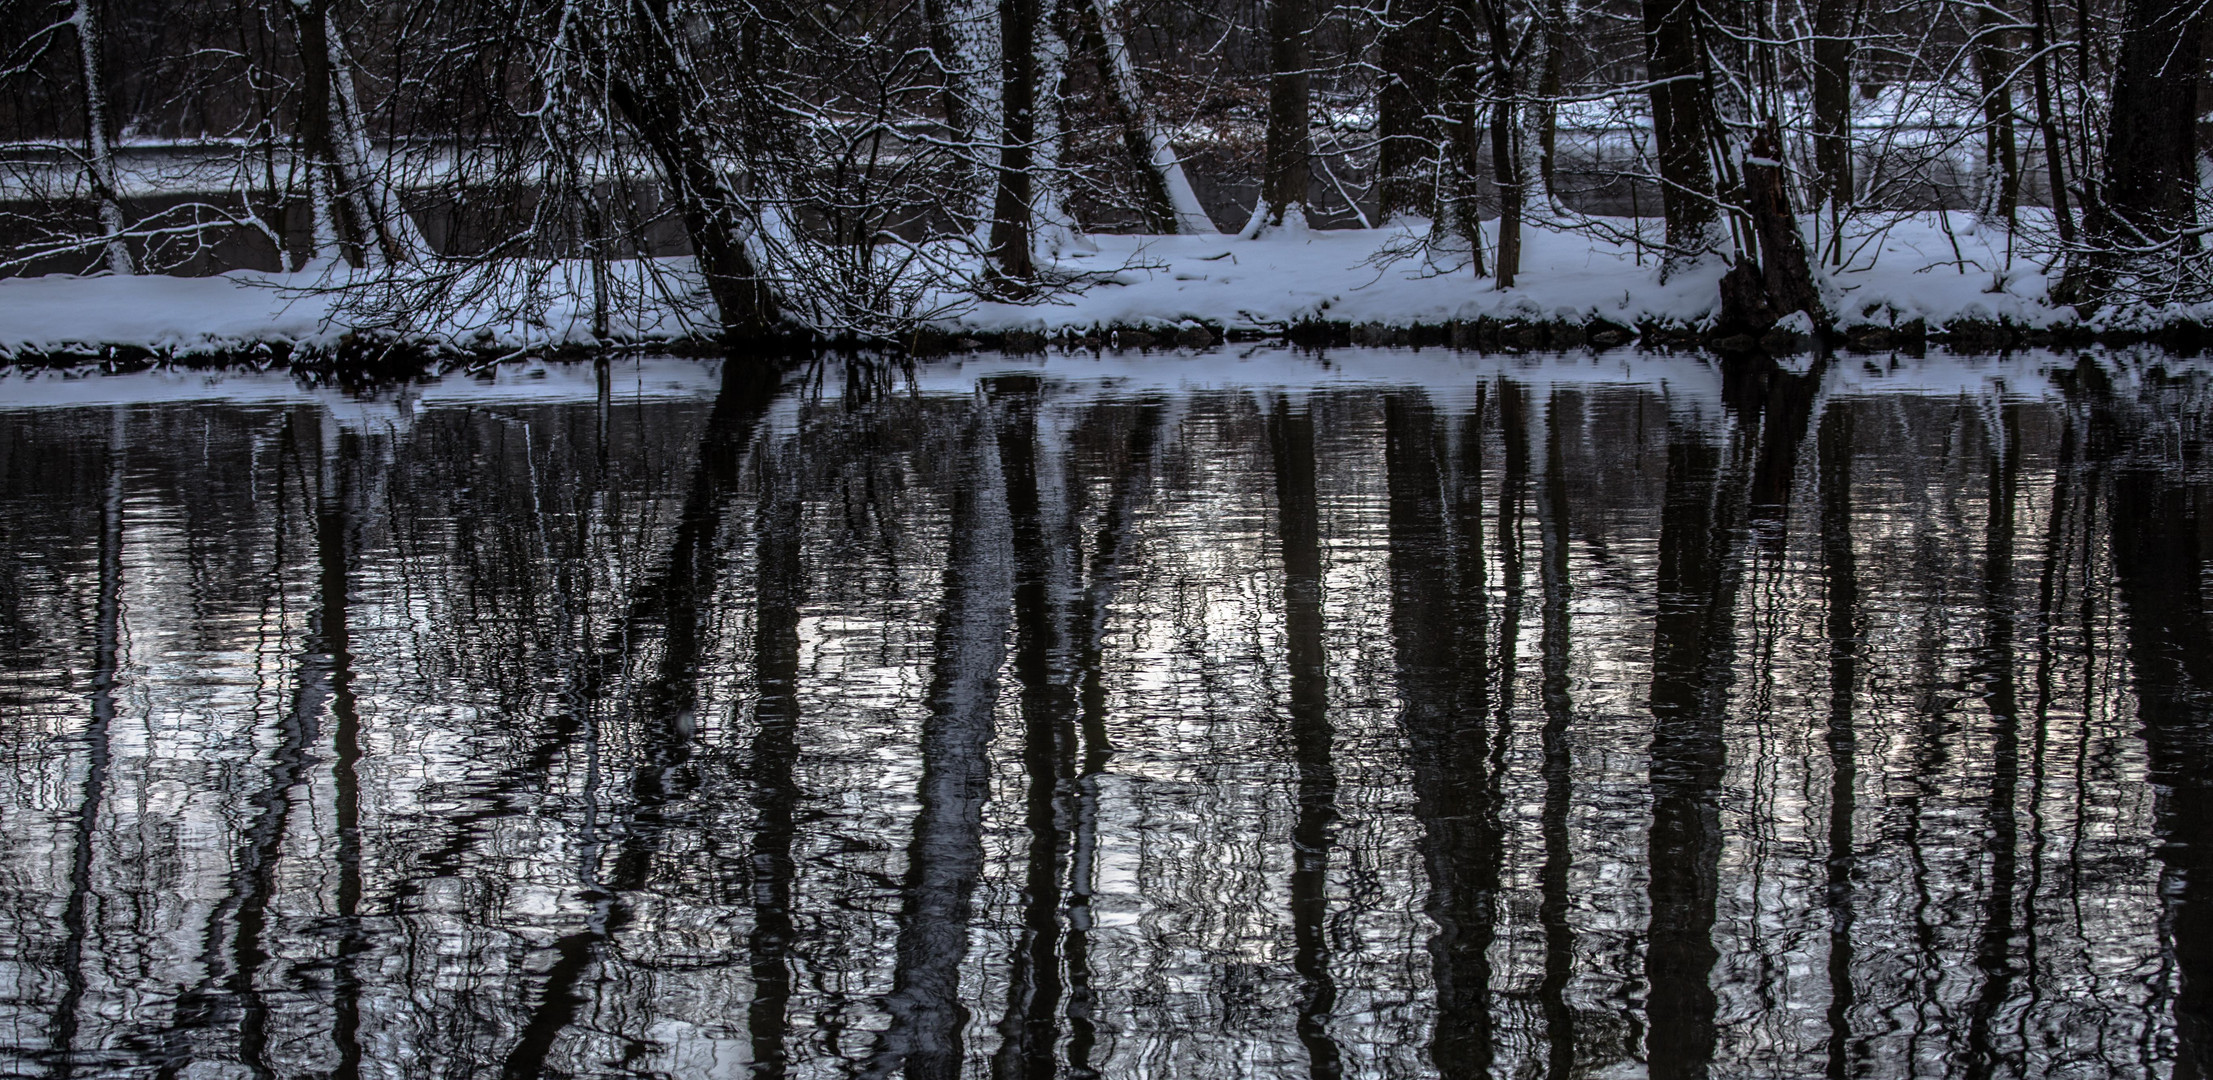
1251,714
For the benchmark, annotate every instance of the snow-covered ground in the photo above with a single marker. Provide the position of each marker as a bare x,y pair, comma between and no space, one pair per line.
1939,268
1899,271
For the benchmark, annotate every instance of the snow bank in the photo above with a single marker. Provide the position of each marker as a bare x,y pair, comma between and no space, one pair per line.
1938,268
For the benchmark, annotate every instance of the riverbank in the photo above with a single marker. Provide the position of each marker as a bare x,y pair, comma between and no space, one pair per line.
1908,280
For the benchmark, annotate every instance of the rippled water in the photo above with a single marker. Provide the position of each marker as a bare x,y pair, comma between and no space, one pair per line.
1378,714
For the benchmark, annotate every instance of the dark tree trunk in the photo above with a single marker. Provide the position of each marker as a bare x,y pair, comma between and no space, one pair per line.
1506,144
1546,105
1506,180
2001,161
937,26
1832,104
1290,111
1010,215
326,186
2047,122
2151,168
1461,76
1776,280
1682,125
653,87
1405,105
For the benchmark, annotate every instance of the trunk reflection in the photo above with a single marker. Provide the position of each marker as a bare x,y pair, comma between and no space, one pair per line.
1399,716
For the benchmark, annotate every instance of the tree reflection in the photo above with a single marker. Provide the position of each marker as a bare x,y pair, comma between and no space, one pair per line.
1443,676
1043,723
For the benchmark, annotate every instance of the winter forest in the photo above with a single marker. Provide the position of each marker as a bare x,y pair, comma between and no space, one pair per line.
878,170
1106,540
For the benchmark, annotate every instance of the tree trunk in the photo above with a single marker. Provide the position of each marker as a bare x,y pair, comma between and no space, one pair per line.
1290,114
99,148
1778,281
964,36
1508,175
1404,105
1506,179
342,222
2001,192
1009,252
1461,70
1832,110
2047,122
1165,193
2151,167
1542,117
653,88
1683,127
314,131
394,232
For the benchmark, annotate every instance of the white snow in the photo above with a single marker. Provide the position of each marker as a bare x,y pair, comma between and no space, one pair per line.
1940,268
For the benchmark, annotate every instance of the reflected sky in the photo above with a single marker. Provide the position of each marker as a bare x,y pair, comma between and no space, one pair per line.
1368,713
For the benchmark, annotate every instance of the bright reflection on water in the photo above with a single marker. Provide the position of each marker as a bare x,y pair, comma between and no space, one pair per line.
1398,714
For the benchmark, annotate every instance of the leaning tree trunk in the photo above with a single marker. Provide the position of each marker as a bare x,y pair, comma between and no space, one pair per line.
395,232
99,148
314,131
654,88
1169,203
2149,199
1287,169
352,204
1404,106
1683,127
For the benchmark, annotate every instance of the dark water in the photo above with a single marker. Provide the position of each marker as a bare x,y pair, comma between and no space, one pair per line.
1392,714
